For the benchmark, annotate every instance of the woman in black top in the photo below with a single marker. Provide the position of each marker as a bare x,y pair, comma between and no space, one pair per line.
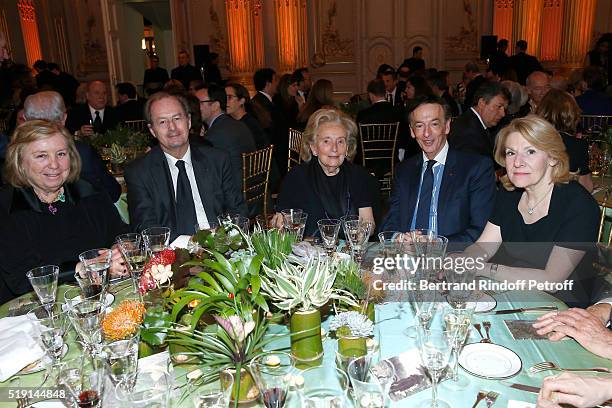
562,111
239,107
550,221
326,185
47,215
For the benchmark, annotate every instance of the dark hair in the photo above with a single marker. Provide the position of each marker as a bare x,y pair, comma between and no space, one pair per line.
298,74
472,67
376,87
416,49
283,85
262,77
53,66
125,88
426,100
382,69
489,90
420,85
403,74
594,78
521,45
390,72
216,93
157,96
260,113
439,81
320,95
502,43
40,65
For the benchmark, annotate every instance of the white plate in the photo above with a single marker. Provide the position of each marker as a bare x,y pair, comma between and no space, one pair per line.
42,363
110,298
485,303
491,361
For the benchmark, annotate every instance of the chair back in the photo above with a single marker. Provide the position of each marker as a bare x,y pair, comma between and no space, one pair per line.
592,125
136,125
295,146
255,176
605,220
378,141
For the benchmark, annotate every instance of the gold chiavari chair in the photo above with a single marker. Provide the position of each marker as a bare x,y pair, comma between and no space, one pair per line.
378,143
295,146
593,125
136,125
605,220
255,176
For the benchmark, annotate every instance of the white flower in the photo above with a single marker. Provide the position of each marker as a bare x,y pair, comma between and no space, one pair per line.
357,323
161,273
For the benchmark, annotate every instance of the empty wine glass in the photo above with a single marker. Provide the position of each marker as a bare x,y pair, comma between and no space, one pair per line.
272,371
294,222
434,348
371,383
457,322
156,239
329,229
86,316
121,357
357,234
44,281
324,387
50,327
216,394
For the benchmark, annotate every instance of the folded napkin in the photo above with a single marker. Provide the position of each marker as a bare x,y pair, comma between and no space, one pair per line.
182,241
18,345
520,404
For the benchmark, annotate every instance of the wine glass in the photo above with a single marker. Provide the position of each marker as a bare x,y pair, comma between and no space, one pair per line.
391,242
93,276
50,327
229,219
134,253
121,357
86,315
264,222
357,234
271,371
152,389
294,221
217,394
434,348
44,281
156,239
329,229
83,379
324,387
371,383
457,322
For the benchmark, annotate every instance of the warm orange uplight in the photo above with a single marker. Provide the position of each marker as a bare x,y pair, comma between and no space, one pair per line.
502,19
29,29
291,34
245,35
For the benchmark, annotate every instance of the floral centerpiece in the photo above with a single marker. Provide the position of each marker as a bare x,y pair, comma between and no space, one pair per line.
350,279
352,329
123,321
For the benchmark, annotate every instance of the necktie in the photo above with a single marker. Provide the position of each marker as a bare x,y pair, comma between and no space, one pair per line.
422,218
185,208
97,123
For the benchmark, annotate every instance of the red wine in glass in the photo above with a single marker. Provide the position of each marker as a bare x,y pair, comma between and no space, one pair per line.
88,399
274,397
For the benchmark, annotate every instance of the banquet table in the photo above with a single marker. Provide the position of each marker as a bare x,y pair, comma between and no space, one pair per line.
393,317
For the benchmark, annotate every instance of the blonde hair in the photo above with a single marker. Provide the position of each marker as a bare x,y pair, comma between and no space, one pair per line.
325,116
30,132
561,110
541,135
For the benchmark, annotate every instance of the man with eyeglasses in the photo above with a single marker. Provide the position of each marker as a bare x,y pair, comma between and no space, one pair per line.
224,132
179,184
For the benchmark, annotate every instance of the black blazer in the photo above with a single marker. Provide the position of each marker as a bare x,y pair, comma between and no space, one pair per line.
468,135
130,110
95,172
278,134
80,115
233,136
151,196
380,112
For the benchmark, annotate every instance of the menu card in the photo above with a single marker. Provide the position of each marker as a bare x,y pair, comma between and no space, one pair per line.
523,330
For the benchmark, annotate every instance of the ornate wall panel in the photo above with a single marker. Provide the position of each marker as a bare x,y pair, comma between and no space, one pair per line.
244,34
502,19
29,30
552,24
291,34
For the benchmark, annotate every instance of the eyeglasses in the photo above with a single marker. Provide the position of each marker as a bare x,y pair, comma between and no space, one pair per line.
207,101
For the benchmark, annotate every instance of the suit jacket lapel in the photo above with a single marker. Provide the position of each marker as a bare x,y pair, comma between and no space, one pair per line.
201,172
413,191
446,186
160,171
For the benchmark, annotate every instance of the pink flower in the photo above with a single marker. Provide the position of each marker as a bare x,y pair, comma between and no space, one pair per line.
235,327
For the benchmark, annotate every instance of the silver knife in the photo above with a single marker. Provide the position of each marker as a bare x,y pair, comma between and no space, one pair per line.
524,310
536,390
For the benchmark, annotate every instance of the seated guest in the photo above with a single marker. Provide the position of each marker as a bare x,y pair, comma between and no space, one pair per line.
154,77
49,105
416,87
93,116
177,183
326,185
561,110
392,91
439,87
587,327
470,131
593,101
538,84
240,107
224,132
47,215
129,107
321,96
185,72
287,100
442,189
539,204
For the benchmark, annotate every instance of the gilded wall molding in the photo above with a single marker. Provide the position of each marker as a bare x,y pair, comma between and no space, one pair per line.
217,39
332,43
466,42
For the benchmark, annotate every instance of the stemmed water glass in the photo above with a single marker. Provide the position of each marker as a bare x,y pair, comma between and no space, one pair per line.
86,315
121,357
229,219
51,327
370,383
271,371
294,221
152,389
156,239
93,278
434,348
44,281
457,322
329,229
391,242
134,252
357,233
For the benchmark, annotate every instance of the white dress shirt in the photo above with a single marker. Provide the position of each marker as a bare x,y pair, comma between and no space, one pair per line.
93,111
174,171
266,95
479,118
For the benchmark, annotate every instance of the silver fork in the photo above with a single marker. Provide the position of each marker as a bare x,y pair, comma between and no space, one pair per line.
481,395
22,402
549,365
490,398
487,326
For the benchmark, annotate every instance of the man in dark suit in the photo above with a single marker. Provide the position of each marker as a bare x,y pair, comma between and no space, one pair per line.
129,107
500,61
393,94
179,184
523,63
416,62
470,131
66,83
594,101
442,189
439,87
154,77
224,132
185,72
93,116
49,105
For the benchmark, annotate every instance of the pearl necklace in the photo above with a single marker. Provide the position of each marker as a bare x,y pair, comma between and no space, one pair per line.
530,210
